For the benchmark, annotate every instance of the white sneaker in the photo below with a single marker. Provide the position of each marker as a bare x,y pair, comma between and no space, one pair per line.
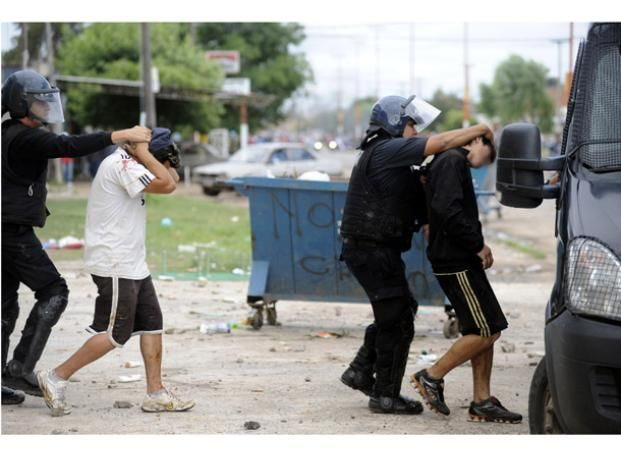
165,401
54,393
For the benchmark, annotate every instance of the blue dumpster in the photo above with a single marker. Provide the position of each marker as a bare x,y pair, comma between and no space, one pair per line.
296,247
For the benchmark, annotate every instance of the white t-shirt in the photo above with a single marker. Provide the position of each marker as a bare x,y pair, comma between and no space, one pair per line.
115,231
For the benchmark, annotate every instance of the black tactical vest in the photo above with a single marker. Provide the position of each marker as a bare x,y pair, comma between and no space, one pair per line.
23,200
372,216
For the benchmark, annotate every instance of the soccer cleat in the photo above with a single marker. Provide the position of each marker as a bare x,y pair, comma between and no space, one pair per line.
165,401
491,410
432,391
53,393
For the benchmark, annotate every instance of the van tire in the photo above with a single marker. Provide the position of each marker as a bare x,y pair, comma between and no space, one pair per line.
541,417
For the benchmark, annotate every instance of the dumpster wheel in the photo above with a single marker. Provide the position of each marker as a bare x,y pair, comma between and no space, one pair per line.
272,315
451,325
255,318
451,328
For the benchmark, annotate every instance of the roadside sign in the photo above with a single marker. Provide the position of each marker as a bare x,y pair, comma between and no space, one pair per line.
228,59
237,86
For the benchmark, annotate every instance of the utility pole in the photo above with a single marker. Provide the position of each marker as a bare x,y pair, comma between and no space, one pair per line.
377,62
340,116
25,54
466,121
411,58
357,128
51,70
243,123
559,84
571,47
147,78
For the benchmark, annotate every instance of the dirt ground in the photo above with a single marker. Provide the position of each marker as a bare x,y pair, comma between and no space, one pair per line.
285,377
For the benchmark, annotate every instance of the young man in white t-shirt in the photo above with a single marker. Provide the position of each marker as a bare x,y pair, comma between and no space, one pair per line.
115,256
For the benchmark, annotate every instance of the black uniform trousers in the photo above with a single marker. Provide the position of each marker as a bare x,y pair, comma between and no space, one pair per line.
381,273
25,261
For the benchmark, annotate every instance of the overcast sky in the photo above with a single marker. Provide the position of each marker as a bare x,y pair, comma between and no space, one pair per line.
359,60
364,59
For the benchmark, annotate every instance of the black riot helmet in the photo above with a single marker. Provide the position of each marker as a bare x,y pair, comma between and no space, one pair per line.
27,93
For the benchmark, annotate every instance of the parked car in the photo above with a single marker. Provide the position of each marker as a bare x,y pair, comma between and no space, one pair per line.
270,160
194,155
576,388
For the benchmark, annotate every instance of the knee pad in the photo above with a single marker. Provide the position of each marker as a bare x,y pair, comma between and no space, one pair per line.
56,288
50,310
395,313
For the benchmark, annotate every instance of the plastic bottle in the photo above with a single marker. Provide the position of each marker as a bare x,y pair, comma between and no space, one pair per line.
213,328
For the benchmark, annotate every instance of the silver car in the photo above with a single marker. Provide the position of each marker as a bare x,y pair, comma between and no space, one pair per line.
264,160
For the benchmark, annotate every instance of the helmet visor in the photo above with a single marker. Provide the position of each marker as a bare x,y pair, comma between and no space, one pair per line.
421,112
45,106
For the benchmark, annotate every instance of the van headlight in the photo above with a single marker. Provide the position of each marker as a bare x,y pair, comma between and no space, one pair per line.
593,279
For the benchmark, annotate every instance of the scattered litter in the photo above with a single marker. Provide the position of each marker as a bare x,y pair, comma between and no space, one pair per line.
70,242
329,334
132,364
272,349
534,268
427,358
181,248
164,277
234,219
122,404
213,328
536,354
238,271
166,222
50,244
257,390
252,425
307,379
507,347
129,378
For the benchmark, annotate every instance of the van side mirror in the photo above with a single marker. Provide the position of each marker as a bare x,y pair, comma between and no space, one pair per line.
519,177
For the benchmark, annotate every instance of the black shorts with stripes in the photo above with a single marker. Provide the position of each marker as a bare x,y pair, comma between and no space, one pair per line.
474,301
125,308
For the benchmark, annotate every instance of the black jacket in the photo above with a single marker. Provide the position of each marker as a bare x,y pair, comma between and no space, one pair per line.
25,155
385,201
455,235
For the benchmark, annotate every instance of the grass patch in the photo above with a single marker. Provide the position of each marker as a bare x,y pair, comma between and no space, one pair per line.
216,235
525,249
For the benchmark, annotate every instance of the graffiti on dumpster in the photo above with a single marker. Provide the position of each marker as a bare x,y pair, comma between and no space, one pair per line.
313,215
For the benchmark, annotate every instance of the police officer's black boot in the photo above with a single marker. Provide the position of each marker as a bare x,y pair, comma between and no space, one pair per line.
386,396
44,315
359,374
9,396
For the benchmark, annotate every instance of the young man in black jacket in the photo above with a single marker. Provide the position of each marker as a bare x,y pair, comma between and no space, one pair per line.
459,257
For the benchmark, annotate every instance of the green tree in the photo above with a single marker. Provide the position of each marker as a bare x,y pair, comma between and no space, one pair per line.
36,41
266,59
112,50
452,116
518,92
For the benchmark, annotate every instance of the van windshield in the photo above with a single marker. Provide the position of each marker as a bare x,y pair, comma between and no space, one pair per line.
600,121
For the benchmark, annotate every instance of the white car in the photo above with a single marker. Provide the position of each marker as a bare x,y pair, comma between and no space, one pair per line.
269,160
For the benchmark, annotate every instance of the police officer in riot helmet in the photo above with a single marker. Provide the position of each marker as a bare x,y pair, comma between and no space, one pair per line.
29,104
384,206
